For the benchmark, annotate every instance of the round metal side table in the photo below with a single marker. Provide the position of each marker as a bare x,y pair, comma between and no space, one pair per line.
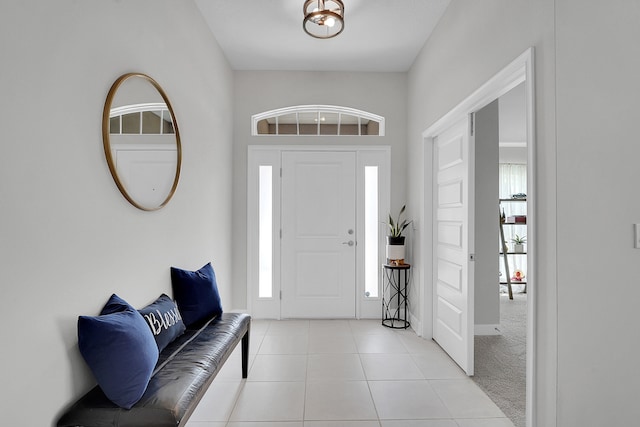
394,296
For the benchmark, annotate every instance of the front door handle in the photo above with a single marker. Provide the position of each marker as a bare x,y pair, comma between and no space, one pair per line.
350,243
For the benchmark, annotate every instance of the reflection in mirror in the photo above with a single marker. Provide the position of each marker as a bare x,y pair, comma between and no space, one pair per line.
141,141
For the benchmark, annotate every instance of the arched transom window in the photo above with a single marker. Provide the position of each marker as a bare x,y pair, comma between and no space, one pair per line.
323,120
149,118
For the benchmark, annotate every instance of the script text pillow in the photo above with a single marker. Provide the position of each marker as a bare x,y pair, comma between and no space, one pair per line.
164,320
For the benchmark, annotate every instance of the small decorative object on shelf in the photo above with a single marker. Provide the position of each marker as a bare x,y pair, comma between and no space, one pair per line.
518,276
518,243
516,219
519,196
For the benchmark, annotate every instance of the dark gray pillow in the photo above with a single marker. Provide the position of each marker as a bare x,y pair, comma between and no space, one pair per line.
164,320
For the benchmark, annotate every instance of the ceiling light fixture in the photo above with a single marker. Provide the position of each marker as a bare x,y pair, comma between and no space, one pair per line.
323,19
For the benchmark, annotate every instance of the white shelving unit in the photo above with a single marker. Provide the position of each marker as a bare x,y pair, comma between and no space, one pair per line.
504,252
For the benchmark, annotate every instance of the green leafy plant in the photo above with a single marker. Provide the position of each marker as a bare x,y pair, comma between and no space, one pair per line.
519,240
397,227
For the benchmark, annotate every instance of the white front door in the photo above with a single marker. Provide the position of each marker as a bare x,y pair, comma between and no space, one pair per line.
453,243
318,249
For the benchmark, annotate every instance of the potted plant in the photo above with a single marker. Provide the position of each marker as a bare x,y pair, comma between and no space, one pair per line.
395,239
518,243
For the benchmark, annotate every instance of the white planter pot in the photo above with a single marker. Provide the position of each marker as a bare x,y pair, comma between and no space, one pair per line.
395,252
518,248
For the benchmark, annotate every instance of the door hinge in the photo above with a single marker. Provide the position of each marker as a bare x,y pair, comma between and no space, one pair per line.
280,172
472,257
281,233
280,295
472,123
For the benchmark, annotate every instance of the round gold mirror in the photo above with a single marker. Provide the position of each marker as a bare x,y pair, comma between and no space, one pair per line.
141,141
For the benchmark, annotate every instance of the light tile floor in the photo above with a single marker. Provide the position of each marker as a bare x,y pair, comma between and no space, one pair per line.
343,373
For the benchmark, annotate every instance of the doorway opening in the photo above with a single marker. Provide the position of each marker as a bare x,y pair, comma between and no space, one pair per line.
500,312
519,72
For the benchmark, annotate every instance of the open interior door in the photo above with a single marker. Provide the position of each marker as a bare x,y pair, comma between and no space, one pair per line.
453,242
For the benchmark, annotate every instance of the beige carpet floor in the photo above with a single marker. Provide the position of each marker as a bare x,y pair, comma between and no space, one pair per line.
500,360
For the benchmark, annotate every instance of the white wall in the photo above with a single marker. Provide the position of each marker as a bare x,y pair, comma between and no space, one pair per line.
586,151
486,295
513,126
598,269
474,41
513,115
515,155
68,239
256,92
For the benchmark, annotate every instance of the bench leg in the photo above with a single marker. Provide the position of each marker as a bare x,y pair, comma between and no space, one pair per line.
245,354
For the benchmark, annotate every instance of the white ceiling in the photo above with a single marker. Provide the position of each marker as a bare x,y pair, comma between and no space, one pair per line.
379,35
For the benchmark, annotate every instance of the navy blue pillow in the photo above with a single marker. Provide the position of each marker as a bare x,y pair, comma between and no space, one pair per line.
164,320
120,350
196,293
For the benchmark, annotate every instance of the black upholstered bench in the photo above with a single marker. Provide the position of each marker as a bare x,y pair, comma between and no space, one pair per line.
184,371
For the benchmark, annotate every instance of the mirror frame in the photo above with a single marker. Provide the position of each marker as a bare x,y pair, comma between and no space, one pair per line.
106,140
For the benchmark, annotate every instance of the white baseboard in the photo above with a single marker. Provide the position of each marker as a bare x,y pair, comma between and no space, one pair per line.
487,330
416,325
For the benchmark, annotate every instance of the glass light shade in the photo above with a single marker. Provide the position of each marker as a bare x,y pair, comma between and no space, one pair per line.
323,19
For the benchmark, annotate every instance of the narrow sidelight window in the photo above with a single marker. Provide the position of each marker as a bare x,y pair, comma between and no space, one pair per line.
265,233
371,228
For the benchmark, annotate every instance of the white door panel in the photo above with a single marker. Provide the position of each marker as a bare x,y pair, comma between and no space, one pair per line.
318,213
453,244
